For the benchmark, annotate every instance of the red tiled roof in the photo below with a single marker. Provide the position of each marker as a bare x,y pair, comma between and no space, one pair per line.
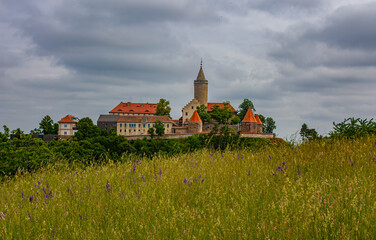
148,108
249,117
221,105
68,119
195,118
258,119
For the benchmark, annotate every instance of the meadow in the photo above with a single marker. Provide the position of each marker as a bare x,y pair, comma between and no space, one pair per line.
317,190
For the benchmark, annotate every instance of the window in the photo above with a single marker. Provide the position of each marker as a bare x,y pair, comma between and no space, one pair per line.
168,125
120,130
139,125
125,125
144,125
192,107
186,113
148,125
65,133
120,125
65,125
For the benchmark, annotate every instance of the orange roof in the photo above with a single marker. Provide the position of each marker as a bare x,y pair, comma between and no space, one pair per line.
128,107
221,105
68,119
258,119
249,117
195,118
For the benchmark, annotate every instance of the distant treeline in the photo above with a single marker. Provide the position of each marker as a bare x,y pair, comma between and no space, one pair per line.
28,154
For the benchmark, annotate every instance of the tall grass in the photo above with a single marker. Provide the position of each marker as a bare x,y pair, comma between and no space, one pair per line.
316,190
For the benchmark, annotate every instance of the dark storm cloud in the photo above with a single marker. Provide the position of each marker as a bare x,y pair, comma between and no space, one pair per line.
287,6
346,38
119,38
350,27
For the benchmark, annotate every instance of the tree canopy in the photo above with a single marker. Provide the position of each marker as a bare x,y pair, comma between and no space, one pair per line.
221,115
202,111
48,126
163,108
244,106
86,129
308,133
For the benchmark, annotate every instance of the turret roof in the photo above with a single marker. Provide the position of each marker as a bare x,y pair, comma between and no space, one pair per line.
201,75
195,118
258,119
249,117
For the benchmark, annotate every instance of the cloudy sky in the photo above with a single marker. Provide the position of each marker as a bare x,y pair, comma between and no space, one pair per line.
299,61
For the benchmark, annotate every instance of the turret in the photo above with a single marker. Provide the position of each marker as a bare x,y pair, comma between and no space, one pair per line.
195,124
249,123
201,87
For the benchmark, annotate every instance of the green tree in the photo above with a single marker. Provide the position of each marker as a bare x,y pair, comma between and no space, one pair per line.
235,120
244,106
86,129
151,132
18,133
35,131
48,126
163,108
203,113
268,124
221,115
5,135
159,128
308,133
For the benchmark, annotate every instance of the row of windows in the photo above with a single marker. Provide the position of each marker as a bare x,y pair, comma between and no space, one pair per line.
139,125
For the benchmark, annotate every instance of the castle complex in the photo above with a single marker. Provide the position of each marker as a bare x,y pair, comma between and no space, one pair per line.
134,119
200,98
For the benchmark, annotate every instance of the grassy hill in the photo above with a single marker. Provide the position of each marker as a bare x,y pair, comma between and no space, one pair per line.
321,189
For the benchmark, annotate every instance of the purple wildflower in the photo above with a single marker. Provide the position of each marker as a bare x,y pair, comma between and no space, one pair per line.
108,187
352,163
185,180
53,233
80,217
202,180
222,155
249,172
283,163
160,171
29,216
22,195
270,157
31,198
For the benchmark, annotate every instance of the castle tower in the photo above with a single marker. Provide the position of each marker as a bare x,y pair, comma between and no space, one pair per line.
249,123
201,87
259,124
195,124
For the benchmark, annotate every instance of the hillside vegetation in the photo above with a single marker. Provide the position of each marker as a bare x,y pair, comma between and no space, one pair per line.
318,190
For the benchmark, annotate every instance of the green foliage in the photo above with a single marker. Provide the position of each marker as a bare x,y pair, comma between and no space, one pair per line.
221,115
353,128
235,120
86,129
268,124
18,133
159,128
5,135
308,133
203,113
244,106
163,108
47,126
151,132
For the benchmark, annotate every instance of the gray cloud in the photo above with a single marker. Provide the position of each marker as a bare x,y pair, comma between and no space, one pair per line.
298,61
